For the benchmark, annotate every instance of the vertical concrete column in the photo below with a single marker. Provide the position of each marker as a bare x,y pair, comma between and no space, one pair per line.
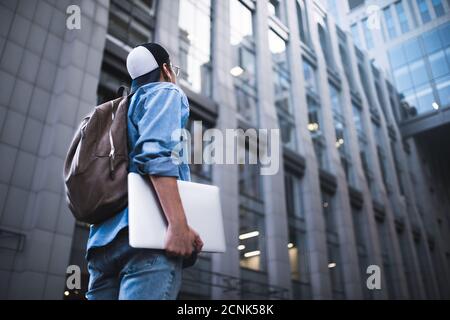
395,254
273,186
347,243
225,176
374,250
316,233
167,29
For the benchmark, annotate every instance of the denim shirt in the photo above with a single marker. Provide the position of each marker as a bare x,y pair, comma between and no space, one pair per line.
155,111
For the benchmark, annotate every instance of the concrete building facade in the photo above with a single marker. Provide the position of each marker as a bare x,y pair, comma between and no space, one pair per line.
350,193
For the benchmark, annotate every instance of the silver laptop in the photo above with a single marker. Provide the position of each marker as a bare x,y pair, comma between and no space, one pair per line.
147,222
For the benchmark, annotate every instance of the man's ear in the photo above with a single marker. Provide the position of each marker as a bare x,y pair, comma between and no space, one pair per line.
166,73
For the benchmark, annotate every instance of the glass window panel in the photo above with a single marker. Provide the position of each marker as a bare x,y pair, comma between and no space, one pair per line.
410,98
438,63
241,22
403,19
294,196
355,35
418,72
397,57
367,34
425,99
250,180
298,256
390,25
444,33
403,79
412,50
438,7
335,97
274,8
432,41
357,119
423,9
251,240
443,88
329,213
301,19
195,44
310,77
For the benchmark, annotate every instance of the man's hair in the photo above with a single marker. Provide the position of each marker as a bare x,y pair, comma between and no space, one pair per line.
155,75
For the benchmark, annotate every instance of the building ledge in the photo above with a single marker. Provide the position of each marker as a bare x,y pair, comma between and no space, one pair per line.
422,123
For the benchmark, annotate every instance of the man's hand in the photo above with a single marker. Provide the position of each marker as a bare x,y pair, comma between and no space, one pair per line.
182,240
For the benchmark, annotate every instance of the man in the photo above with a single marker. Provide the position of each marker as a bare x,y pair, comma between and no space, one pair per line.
157,108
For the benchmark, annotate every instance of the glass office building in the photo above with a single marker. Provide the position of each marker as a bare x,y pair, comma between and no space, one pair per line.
343,199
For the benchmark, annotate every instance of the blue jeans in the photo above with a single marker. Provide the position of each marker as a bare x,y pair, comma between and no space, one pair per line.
118,271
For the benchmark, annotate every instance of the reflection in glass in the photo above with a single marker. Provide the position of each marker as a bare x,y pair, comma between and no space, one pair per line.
390,25
367,34
438,7
244,61
403,19
443,89
282,89
251,240
294,196
195,44
423,9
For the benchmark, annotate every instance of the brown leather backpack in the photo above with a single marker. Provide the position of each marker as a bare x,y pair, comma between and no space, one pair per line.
96,166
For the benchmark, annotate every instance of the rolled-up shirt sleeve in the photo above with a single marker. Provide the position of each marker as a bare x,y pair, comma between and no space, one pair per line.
160,118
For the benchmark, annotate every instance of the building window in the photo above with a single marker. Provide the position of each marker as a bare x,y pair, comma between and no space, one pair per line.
423,9
302,20
274,7
346,64
380,99
390,25
364,148
334,255
299,262
355,35
398,168
251,217
388,268
309,73
438,8
132,21
381,154
195,45
421,69
324,40
365,82
367,34
341,133
333,9
362,247
329,212
250,181
201,173
282,90
251,240
402,18
315,129
244,61
294,196
353,4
